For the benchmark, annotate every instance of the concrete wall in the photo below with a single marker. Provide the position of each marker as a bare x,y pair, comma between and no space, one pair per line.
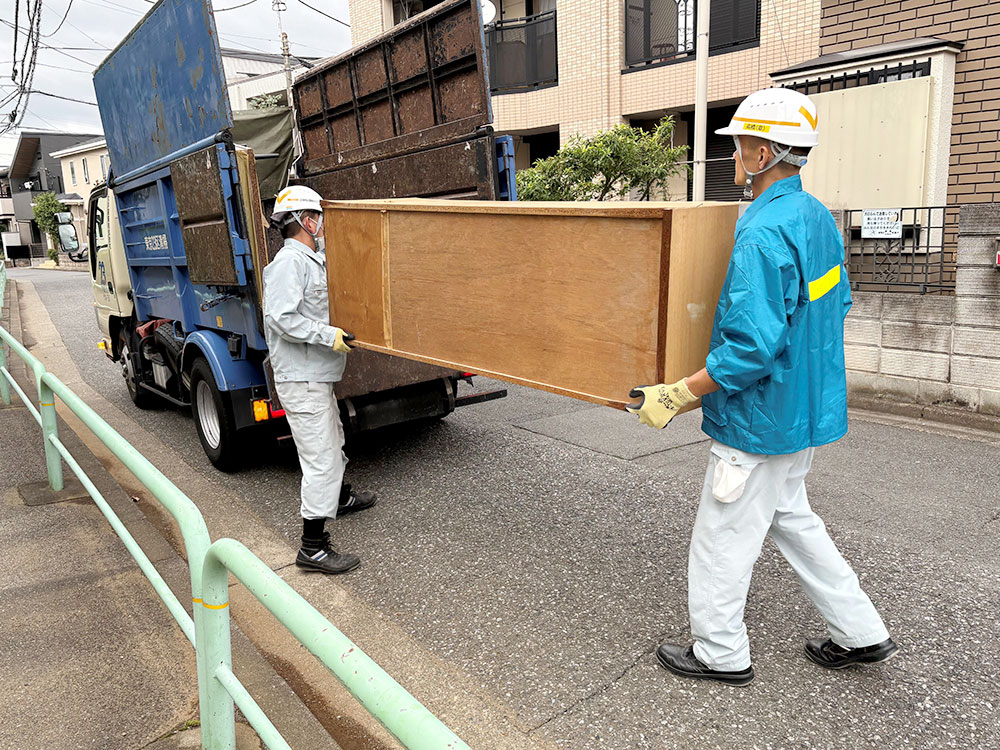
929,349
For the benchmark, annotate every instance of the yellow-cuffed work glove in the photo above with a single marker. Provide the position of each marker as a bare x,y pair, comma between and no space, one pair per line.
660,403
340,339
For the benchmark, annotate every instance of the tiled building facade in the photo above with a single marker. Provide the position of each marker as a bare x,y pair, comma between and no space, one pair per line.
599,84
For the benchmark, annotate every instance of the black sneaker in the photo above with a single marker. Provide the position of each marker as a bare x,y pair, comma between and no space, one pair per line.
681,660
324,559
352,502
828,654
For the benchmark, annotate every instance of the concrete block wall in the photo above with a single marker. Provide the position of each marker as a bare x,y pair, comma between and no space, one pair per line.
935,349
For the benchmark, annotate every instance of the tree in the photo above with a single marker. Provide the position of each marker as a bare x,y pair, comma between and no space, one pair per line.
45,207
264,101
616,163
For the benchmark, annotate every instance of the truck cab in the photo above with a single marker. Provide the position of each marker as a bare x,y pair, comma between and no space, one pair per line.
108,269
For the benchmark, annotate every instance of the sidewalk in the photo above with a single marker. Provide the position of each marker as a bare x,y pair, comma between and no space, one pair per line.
91,657
89,653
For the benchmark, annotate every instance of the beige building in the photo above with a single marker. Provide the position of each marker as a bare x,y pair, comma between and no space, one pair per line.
560,68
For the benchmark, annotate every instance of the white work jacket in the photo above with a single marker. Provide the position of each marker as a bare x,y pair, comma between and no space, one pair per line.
296,311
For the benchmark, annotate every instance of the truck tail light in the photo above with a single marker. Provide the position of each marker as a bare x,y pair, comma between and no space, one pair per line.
277,413
261,410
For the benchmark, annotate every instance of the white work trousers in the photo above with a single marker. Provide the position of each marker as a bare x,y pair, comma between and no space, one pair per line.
726,543
313,415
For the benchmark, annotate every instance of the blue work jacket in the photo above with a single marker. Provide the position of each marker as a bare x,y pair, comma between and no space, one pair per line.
777,349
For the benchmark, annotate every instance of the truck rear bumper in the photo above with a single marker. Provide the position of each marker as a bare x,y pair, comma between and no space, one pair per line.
427,400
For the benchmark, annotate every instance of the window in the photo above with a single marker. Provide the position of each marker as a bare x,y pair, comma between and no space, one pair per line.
734,23
96,238
104,167
405,9
72,172
86,174
662,31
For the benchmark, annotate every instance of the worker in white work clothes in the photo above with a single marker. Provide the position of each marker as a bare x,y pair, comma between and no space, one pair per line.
773,388
308,356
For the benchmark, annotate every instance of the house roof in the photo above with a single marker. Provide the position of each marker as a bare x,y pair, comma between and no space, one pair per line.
268,57
79,148
27,146
848,57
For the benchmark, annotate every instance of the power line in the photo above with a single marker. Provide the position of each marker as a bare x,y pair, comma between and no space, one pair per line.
107,4
65,16
322,13
65,98
234,7
54,49
95,41
56,67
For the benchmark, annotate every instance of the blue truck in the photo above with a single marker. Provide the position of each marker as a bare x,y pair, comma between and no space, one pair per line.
178,235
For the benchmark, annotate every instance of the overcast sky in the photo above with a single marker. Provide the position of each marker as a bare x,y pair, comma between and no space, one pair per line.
94,27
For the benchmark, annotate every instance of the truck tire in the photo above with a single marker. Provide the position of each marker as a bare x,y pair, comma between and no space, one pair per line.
213,418
141,398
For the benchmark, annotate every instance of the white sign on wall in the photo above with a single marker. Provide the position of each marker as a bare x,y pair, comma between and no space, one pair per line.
881,224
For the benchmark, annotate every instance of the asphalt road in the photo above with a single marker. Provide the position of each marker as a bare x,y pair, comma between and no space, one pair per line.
540,544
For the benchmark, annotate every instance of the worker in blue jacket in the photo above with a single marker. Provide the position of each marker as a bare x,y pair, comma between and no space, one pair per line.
773,388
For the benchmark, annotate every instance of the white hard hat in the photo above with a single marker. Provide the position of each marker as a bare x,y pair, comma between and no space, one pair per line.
293,199
777,115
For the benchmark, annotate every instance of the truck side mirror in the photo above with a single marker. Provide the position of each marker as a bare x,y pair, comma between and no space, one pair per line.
68,239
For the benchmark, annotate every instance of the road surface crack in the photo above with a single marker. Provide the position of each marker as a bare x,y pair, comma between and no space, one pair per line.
601,688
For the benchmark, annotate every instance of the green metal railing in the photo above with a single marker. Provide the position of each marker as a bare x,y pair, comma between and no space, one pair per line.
219,690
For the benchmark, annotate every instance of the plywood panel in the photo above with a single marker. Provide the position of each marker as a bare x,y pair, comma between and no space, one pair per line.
702,242
355,277
588,300
568,302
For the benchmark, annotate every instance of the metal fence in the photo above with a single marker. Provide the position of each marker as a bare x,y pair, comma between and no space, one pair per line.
522,52
921,259
839,81
219,690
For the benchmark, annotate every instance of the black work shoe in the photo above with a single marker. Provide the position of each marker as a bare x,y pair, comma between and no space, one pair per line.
319,557
828,654
351,501
681,660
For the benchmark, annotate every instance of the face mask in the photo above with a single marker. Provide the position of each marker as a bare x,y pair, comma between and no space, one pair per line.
317,236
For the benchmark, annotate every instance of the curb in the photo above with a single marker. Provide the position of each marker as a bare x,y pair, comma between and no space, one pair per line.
949,415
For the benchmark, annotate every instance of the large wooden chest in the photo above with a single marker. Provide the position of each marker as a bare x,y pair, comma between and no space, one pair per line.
582,299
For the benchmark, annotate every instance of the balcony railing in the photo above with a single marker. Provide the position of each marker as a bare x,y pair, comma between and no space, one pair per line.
663,31
522,53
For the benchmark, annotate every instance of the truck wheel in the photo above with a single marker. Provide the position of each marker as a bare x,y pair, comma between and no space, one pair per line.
141,398
213,418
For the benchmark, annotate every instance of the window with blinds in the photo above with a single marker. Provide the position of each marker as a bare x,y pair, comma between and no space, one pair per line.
663,31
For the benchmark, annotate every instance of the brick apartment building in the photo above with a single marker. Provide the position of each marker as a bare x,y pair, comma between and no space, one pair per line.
974,162
560,68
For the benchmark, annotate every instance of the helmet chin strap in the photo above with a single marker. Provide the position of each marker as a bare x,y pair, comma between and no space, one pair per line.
780,155
315,235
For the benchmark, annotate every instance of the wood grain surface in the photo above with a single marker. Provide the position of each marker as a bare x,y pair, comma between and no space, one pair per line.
580,299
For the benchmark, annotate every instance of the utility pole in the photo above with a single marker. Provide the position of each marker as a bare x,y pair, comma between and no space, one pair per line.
700,98
278,6
288,64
